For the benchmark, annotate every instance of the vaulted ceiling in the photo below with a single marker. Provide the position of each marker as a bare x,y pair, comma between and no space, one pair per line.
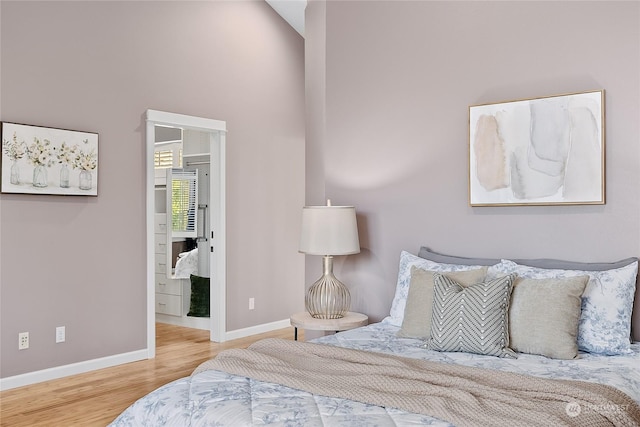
292,11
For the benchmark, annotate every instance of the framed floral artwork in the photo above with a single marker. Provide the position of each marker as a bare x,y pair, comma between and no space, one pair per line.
542,151
42,160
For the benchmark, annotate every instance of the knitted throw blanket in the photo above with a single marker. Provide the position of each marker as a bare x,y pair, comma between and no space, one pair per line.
461,395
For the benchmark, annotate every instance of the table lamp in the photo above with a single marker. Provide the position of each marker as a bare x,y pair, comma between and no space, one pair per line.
328,231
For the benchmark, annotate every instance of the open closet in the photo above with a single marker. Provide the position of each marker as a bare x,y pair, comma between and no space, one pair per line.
182,230
185,212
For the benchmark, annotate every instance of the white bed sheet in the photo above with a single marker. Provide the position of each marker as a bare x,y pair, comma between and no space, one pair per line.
186,265
213,398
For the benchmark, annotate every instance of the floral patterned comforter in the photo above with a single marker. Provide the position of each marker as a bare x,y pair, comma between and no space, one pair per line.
213,398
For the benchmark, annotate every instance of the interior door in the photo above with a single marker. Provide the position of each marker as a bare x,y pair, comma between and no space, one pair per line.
216,131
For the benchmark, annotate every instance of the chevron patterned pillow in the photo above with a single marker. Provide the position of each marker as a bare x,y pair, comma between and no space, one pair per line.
474,319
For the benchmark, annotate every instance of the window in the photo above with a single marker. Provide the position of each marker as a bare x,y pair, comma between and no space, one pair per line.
183,202
163,159
168,155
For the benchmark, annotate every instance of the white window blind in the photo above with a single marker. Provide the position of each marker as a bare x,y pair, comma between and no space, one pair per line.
163,159
182,202
167,155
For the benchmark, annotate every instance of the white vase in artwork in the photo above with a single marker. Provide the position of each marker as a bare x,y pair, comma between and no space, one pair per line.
64,176
15,173
85,180
40,176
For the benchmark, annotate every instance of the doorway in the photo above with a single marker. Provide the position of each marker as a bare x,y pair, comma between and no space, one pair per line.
213,245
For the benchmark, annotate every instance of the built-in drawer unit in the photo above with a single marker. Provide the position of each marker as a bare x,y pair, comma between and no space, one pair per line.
160,224
168,286
168,290
161,264
169,304
160,246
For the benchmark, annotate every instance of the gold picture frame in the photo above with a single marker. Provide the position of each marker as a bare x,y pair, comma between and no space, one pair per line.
538,151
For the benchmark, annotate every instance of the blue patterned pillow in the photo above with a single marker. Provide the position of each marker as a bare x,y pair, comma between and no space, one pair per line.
407,260
607,303
474,319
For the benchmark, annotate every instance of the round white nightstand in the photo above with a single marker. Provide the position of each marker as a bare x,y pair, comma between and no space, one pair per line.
350,320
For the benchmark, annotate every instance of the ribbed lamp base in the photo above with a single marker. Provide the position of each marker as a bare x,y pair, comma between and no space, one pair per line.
328,298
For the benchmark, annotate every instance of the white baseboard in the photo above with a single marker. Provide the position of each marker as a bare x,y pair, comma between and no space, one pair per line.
72,369
258,329
188,322
120,359
204,323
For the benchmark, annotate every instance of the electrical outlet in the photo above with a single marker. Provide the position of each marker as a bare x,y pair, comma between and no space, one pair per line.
252,304
60,334
23,340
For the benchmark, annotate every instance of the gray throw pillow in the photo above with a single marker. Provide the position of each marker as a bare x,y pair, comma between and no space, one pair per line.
473,319
417,312
544,315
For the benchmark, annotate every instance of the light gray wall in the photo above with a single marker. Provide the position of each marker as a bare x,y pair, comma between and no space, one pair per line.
315,100
399,79
97,66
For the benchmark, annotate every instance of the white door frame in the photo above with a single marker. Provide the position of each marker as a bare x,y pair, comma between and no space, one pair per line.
217,130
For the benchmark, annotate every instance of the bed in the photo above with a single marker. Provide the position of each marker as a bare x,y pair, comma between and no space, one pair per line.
559,355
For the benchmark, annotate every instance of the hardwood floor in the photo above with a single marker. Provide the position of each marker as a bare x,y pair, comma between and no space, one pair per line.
96,398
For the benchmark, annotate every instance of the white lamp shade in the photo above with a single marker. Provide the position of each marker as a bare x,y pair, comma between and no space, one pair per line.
329,230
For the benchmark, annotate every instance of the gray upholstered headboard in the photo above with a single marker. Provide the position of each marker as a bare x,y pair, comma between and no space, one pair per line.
548,263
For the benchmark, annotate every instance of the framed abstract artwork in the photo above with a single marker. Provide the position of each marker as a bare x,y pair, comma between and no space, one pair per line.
42,160
542,151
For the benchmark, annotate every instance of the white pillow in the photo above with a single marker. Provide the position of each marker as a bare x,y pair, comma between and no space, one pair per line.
407,260
607,303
